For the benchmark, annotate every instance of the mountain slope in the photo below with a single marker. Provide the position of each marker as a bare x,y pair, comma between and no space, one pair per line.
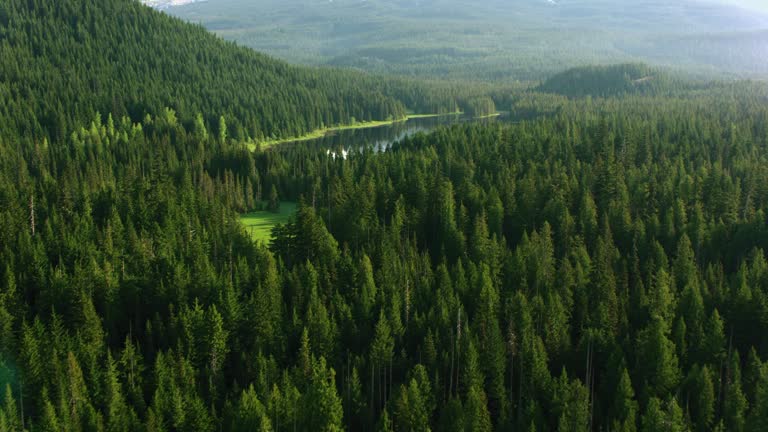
60,62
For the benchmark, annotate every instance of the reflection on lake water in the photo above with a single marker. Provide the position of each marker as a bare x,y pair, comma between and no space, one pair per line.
341,143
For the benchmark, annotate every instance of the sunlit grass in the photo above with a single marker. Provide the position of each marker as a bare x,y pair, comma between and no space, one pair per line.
259,224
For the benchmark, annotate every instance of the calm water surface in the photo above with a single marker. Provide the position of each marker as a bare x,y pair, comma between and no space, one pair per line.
381,138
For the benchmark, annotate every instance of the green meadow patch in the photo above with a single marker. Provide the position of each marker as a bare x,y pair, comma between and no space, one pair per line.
259,224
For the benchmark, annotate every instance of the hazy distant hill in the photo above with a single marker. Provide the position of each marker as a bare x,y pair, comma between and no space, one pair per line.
614,80
163,4
494,38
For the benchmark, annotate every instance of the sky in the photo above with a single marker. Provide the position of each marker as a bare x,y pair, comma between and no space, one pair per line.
761,5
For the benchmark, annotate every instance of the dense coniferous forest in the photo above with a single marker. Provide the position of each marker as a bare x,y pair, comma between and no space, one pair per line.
62,61
598,265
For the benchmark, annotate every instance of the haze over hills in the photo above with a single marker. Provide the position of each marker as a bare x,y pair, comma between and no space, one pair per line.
758,5
495,39
164,4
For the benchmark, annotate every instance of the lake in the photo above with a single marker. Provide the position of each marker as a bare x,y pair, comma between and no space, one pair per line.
382,137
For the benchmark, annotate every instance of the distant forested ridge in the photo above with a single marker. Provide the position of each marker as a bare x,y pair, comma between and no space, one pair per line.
497,40
600,265
613,80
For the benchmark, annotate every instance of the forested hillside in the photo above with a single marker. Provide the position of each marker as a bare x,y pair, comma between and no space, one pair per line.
599,266
63,61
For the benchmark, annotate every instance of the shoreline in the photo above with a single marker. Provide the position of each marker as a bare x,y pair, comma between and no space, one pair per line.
496,114
319,133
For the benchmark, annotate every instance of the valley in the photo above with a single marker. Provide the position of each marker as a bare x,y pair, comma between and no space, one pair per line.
496,40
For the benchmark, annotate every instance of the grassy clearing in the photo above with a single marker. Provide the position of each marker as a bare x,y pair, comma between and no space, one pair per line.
319,133
496,114
310,136
421,116
259,223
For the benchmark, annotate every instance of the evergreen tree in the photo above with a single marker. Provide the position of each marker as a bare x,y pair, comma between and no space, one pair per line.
625,407
658,417
250,414
410,411
657,361
735,402
491,344
713,345
119,415
321,406
10,416
476,416
703,399
758,417
274,200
